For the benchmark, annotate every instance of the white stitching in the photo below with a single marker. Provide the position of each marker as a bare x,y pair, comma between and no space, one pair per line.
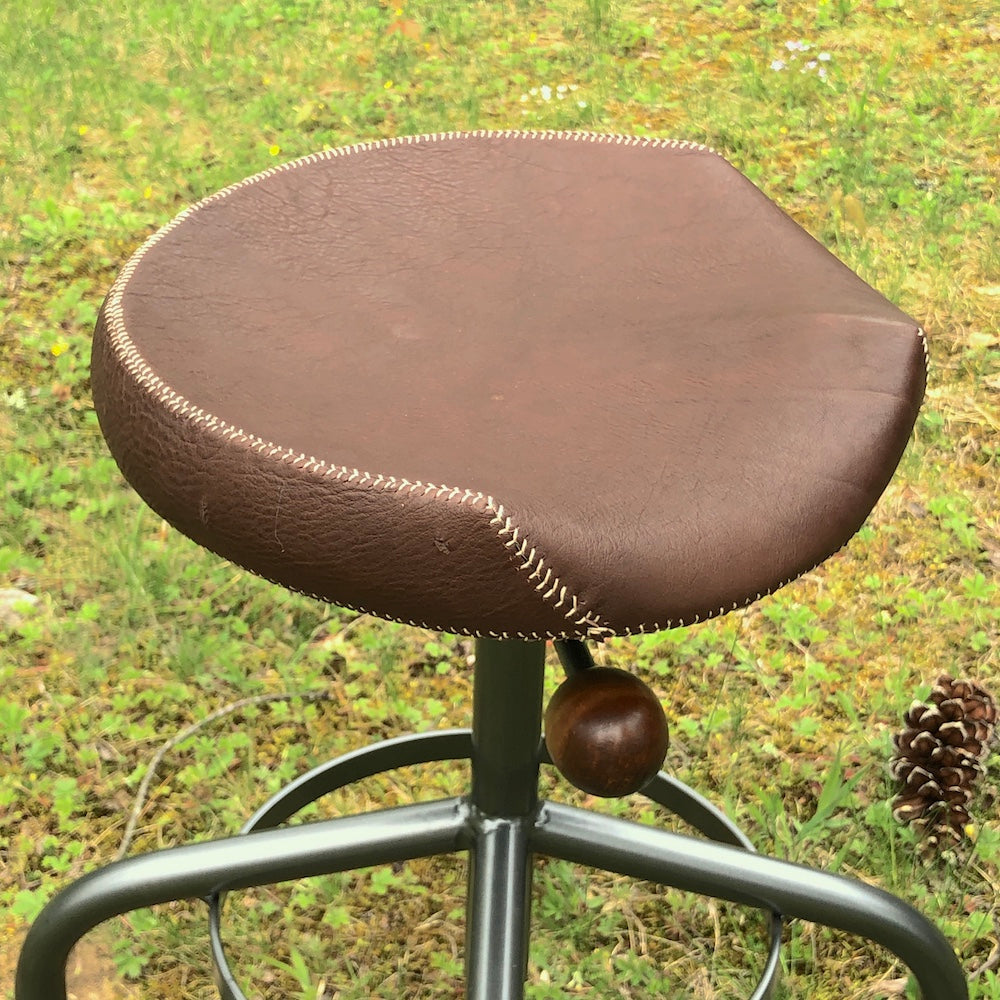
507,531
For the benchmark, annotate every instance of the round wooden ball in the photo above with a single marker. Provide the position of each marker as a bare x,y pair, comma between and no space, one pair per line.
606,731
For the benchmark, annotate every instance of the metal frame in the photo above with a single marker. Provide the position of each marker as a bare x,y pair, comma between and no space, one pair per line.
502,824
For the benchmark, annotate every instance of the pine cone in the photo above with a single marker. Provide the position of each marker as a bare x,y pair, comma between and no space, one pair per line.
939,755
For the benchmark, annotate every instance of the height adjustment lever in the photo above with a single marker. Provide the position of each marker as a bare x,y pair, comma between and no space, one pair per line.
604,728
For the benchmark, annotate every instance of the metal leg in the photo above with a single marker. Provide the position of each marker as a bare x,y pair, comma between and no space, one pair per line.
498,911
731,873
198,870
506,749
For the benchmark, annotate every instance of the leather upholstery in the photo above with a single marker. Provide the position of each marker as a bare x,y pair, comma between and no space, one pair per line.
506,383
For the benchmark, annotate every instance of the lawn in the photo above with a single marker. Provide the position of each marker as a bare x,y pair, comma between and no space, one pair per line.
875,124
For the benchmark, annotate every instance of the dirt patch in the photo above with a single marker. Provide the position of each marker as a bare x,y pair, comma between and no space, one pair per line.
90,974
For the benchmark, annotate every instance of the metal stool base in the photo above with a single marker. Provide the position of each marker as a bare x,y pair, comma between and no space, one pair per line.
502,824
504,847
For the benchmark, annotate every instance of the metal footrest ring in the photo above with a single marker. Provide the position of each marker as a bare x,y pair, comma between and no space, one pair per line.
456,744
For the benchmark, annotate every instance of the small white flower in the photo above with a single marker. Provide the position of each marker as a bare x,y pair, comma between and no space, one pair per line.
16,399
797,46
778,65
824,57
545,92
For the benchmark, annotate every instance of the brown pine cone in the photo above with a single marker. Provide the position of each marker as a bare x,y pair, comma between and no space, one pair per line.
939,755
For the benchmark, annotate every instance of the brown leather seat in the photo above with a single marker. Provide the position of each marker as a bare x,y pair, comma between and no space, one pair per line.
536,385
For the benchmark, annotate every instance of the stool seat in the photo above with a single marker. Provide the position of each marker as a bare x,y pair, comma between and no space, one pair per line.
536,385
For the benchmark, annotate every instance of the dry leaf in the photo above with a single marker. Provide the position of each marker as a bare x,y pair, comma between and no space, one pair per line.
977,339
888,988
854,212
405,27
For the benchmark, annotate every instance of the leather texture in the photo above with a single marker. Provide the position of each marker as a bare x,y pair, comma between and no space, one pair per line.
510,384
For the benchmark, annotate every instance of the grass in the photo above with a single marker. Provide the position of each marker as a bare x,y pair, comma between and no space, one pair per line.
114,117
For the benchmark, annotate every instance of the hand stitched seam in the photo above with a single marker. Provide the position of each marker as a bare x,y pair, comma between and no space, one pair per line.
548,585
528,556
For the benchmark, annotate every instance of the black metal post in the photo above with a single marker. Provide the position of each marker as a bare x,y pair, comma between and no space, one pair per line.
506,750
506,726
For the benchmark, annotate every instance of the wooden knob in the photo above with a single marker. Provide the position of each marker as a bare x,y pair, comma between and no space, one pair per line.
606,731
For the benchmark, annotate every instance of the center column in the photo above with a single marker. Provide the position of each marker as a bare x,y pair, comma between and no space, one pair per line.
506,747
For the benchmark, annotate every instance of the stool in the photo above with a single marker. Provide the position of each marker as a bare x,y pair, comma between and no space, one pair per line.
524,387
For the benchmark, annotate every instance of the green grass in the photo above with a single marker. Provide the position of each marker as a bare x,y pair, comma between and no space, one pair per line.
114,117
